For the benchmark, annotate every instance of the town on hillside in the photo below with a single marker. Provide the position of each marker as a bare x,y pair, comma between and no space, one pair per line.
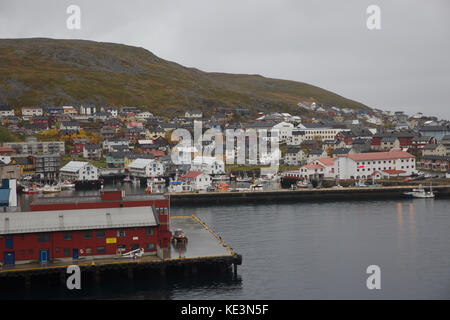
54,147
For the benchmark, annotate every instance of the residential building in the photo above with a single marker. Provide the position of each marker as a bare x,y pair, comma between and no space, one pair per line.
32,146
146,168
47,165
208,165
79,171
195,113
294,156
434,163
6,111
434,150
197,180
92,151
31,112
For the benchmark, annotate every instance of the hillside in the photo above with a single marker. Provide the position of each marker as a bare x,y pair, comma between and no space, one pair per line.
42,71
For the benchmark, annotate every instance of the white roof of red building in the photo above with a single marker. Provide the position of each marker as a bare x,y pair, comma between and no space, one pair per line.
70,220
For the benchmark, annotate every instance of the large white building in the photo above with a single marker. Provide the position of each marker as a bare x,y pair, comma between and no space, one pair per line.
313,131
146,168
79,171
362,165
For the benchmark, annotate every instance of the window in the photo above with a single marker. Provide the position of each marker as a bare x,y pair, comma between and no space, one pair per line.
149,231
87,235
121,233
66,252
101,250
22,252
121,248
100,234
88,250
150,246
43,237
30,251
67,236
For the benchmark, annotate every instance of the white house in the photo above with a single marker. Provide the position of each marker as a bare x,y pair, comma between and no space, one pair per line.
196,113
294,156
79,171
296,138
30,112
146,168
284,130
209,165
109,144
197,180
88,110
362,165
144,115
6,111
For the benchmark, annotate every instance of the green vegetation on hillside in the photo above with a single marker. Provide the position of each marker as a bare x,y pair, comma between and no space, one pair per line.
59,72
8,136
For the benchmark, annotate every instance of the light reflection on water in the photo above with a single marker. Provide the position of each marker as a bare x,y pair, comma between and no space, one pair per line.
317,250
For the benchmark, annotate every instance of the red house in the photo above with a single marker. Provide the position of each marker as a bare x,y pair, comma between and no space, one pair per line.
65,228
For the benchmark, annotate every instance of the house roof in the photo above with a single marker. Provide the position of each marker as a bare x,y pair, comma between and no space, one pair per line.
73,166
140,163
192,174
326,161
380,155
67,220
313,166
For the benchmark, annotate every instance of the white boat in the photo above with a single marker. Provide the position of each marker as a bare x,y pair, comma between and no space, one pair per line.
179,186
51,189
67,185
420,193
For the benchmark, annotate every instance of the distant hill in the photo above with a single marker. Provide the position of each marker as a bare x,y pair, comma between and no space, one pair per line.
42,71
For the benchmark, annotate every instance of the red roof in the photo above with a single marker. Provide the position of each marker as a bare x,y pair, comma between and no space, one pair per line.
192,174
391,155
313,166
326,161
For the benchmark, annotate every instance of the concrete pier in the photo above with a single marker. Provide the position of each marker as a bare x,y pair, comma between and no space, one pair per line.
352,193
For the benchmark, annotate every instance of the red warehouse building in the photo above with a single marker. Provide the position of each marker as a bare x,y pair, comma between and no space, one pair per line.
62,229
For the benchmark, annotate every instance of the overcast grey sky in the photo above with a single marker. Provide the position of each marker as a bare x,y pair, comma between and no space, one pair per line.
404,66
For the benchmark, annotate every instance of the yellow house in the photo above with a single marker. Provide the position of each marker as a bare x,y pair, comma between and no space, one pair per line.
27,165
154,132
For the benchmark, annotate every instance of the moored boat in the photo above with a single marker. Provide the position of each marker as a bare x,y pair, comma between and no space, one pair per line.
51,189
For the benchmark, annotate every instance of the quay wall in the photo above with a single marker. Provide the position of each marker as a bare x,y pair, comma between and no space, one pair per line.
366,193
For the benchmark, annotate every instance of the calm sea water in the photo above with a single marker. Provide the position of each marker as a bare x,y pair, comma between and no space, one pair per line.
312,250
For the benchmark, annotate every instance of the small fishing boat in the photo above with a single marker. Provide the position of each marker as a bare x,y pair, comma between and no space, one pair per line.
51,189
30,190
67,185
420,193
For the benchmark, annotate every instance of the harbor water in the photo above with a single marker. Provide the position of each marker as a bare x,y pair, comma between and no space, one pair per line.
308,250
